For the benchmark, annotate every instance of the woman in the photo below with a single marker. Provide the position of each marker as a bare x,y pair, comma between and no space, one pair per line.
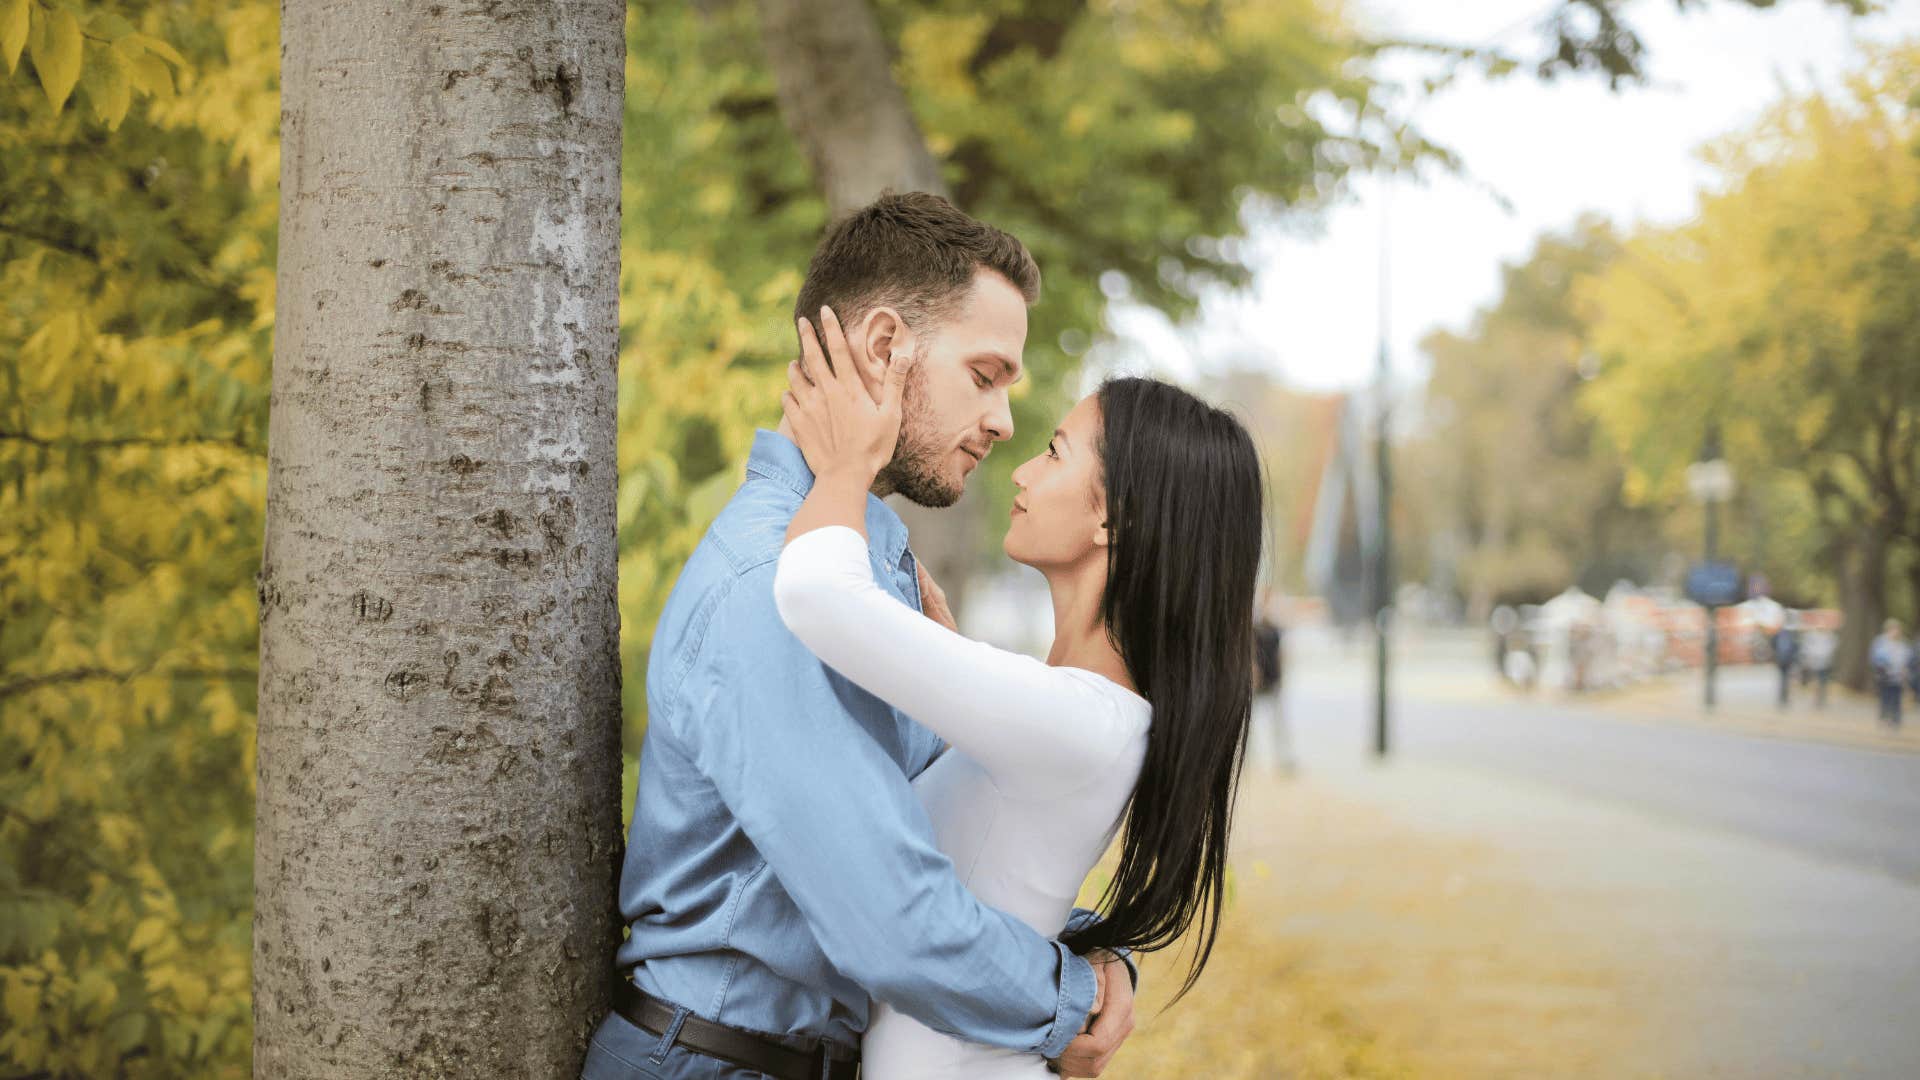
1144,516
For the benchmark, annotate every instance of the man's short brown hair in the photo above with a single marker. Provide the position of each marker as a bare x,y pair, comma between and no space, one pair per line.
915,252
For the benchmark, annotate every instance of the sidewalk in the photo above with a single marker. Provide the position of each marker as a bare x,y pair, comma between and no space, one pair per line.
1456,666
1746,701
1422,921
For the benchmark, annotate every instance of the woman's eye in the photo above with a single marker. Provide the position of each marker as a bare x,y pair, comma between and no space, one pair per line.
1050,452
980,380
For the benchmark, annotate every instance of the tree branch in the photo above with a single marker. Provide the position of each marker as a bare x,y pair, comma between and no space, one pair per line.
233,439
76,248
56,678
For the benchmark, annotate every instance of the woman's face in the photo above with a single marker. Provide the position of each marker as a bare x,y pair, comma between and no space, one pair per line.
1060,509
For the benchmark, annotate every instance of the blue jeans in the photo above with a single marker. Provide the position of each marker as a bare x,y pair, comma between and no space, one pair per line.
1890,693
620,1051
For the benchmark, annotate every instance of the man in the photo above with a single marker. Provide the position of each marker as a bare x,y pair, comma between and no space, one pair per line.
1786,652
1889,658
1817,647
1267,740
779,870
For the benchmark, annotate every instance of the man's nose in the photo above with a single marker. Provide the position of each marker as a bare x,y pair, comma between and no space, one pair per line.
999,422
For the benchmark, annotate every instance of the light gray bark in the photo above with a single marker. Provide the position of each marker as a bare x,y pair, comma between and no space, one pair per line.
834,76
438,815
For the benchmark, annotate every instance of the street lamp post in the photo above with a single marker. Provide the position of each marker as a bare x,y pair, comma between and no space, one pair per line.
1383,562
1381,571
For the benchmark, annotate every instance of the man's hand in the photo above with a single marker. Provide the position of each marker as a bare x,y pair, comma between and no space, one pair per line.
933,599
1110,1022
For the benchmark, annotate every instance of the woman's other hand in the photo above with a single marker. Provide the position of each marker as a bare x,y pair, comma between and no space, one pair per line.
933,599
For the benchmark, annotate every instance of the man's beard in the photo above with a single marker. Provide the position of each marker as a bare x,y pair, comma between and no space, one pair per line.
916,470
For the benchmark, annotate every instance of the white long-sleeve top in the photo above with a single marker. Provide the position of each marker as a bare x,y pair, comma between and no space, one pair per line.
1041,762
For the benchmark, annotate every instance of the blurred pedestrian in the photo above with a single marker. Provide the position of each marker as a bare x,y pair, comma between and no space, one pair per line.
1816,660
1891,658
1786,653
1913,671
1503,622
1269,745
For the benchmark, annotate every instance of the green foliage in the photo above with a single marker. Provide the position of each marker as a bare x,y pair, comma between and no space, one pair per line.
1132,138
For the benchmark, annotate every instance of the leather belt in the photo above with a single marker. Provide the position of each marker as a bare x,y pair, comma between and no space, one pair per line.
746,1049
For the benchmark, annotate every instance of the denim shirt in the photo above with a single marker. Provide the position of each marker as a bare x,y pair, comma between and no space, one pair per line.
779,868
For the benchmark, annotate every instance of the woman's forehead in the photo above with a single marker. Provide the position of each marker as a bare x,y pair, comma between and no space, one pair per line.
1084,415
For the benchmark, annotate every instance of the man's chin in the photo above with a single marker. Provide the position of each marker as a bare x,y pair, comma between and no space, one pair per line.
930,493
933,498
911,479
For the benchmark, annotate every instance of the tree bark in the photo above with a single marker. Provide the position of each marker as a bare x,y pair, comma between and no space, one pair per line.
438,802
1863,605
834,75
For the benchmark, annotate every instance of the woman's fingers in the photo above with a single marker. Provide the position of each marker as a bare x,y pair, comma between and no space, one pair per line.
895,386
838,350
813,367
873,375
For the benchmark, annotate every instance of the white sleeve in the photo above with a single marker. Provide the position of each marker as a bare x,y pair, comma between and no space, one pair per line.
1034,728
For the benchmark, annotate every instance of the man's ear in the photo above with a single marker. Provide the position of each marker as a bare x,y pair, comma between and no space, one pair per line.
883,333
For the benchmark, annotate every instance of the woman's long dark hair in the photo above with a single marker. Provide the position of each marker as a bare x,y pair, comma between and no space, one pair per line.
1183,492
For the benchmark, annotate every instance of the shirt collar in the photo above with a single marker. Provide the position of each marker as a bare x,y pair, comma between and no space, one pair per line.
776,457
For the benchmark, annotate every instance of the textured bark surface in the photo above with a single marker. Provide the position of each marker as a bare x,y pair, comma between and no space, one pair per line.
1863,604
834,76
438,816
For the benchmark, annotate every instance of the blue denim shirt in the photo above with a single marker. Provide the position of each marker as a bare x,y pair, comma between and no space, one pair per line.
779,868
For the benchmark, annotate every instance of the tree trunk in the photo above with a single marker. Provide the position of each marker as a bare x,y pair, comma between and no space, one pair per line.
834,74
1863,604
438,816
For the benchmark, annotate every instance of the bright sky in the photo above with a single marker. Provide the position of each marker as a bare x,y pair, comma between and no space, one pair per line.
1553,150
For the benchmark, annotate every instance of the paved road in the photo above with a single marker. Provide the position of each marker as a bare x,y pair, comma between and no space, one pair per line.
1855,806
1762,896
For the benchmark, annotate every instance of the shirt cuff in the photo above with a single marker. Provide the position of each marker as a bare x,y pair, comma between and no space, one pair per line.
1085,917
1077,984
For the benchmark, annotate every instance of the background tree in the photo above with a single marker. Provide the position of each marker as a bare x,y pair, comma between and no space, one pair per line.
1788,315
1513,484
1596,36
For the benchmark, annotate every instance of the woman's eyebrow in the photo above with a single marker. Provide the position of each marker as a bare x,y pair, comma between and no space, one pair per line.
1062,436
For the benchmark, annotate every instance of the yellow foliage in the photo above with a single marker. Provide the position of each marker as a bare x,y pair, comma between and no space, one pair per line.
14,21
56,53
132,411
